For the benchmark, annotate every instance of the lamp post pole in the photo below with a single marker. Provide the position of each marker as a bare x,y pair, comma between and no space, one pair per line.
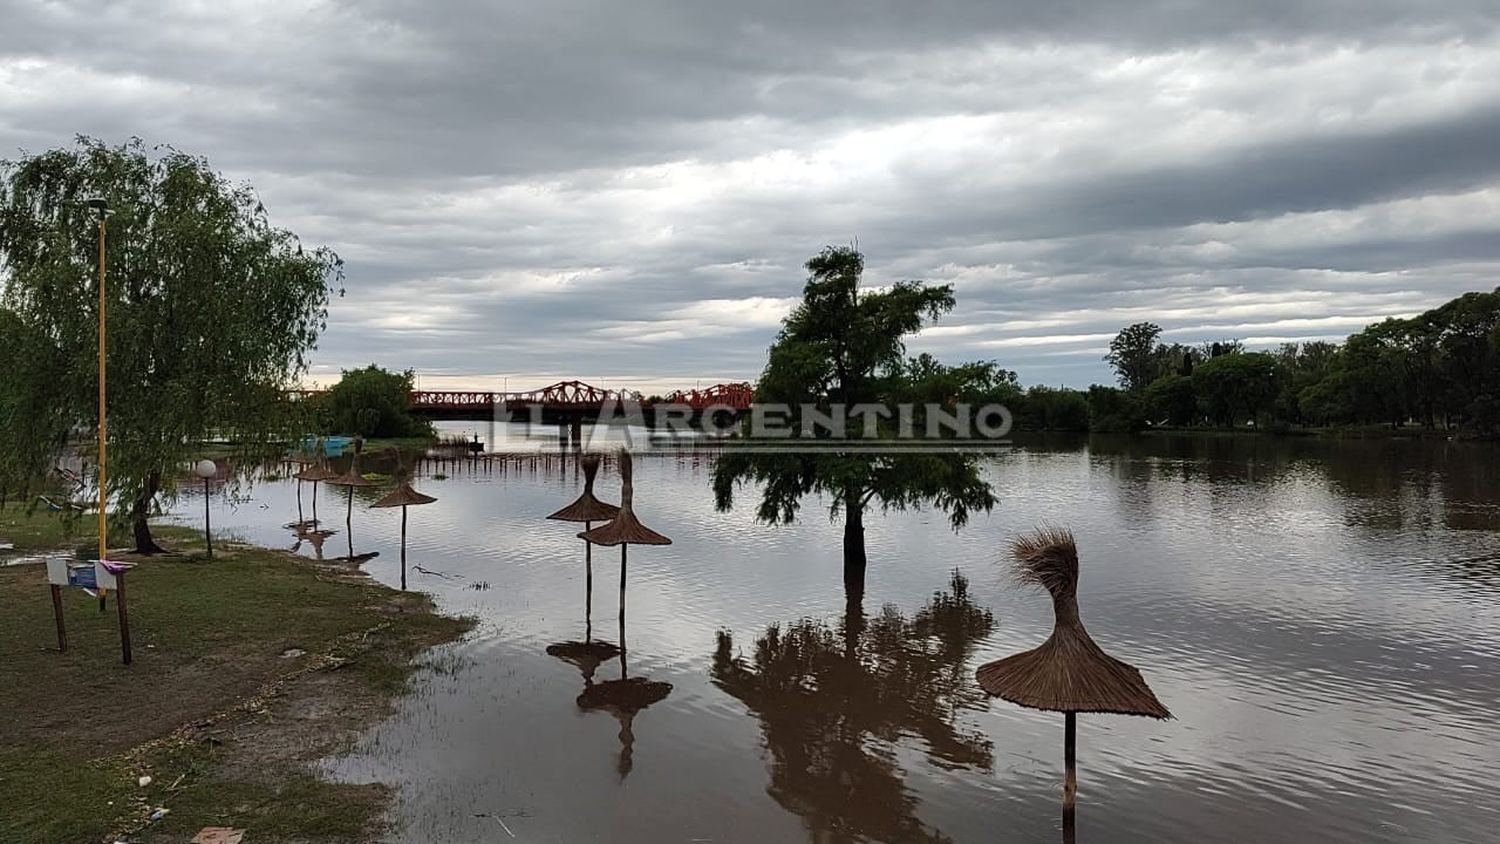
102,207
206,470
208,534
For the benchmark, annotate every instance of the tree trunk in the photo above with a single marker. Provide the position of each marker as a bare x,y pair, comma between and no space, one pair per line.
854,545
140,512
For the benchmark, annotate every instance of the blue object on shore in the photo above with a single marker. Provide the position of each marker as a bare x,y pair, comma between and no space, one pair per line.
332,446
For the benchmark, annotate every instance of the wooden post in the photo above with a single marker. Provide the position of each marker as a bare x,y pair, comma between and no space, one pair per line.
124,613
623,546
315,504
208,536
403,547
624,673
349,524
1070,775
57,612
299,504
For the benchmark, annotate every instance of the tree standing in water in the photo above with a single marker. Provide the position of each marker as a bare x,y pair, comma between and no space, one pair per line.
844,346
211,310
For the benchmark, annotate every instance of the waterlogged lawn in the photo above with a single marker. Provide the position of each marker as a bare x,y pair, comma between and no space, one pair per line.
213,709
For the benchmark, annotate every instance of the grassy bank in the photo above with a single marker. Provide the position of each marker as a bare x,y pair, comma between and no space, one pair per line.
247,668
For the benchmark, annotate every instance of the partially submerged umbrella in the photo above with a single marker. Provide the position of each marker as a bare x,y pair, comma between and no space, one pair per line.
403,496
351,479
314,473
1068,673
625,529
587,509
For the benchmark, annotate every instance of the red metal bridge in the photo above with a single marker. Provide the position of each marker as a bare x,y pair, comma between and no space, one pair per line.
569,398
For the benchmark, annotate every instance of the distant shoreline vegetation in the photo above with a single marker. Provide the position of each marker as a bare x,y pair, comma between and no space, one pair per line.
1436,372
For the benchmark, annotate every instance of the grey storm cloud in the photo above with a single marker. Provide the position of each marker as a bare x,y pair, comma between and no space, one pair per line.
626,191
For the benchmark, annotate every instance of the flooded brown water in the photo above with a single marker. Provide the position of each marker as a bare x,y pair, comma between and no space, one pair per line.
1323,618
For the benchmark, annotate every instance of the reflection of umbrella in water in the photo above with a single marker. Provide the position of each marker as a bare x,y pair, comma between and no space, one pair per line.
403,496
625,529
587,509
585,656
1068,673
623,698
313,537
314,473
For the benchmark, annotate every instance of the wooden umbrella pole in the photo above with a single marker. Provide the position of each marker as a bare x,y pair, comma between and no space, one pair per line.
403,547
1070,774
299,503
588,584
315,504
623,546
624,673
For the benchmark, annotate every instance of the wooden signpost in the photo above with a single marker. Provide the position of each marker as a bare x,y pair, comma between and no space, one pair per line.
97,576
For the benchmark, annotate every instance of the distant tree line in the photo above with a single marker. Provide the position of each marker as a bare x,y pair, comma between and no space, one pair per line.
370,402
1438,370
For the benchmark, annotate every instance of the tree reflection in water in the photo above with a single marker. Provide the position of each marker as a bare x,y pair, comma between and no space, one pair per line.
834,702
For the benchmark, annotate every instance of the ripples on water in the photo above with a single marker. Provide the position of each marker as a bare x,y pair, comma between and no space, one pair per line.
1320,617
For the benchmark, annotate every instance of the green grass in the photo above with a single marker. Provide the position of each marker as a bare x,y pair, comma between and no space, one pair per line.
402,443
40,529
77,728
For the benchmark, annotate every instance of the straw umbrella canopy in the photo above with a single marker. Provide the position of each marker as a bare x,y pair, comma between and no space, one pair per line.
587,509
1068,673
403,496
625,529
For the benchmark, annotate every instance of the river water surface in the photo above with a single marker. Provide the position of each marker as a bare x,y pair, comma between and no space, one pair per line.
1322,618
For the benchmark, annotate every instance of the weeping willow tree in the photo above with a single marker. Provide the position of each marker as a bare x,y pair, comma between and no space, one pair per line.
211,314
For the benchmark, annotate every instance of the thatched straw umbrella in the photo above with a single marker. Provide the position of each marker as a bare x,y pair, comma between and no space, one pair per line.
587,509
1068,673
403,496
351,479
314,473
625,529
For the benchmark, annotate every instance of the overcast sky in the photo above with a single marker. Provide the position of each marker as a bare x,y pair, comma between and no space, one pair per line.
625,191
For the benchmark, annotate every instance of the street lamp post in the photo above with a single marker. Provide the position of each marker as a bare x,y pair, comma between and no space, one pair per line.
206,470
102,207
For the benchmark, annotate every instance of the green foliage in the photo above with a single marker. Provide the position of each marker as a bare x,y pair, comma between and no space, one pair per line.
1053,409
1114,410
373,402
1171,400
1133,354
842,345
1236,387
211,312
